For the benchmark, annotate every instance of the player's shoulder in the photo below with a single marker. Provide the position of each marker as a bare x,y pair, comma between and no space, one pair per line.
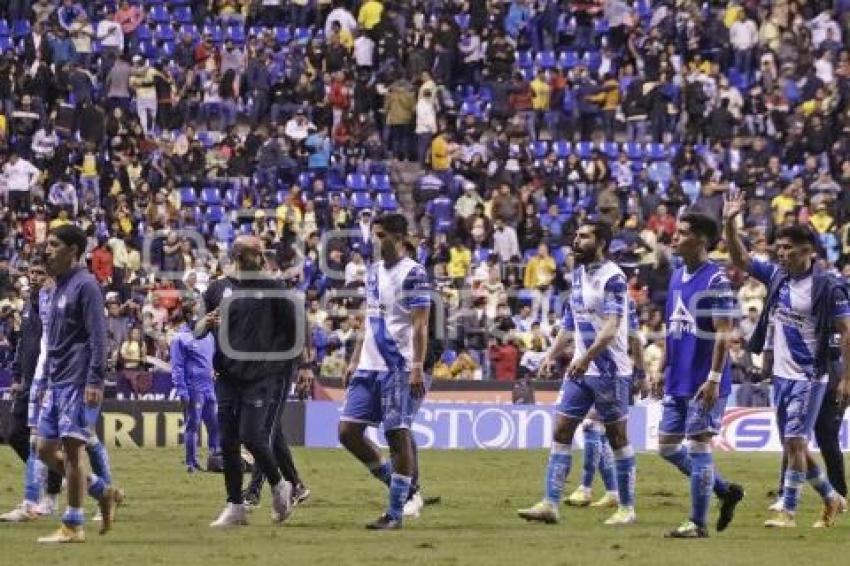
717,276
611,274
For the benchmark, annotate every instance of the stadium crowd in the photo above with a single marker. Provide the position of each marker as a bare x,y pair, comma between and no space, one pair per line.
167,128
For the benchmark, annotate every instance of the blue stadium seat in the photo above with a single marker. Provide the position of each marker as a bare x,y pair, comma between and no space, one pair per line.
4,29
545,59
471,107
655,151
305,179
584,149
210,196
361,200
215,213
183,15
380,183
159,14
562,149
20,28
660,172
236,33
356,182
481,254
188,197
215,32
147,49
485,94
166,51
342,198
462,20
633,150
538,149
164,32
524,59
282,34
637,165
528,254
565,206
335,180
568,59
691,190
527,73
559,254
592,59
6,43
602,26
387,201
303,34
231,198
280,196
611,150
191,29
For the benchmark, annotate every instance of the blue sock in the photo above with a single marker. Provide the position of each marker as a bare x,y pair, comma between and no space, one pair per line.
73,517
677,455
33,476
820,483
794,480
592,448
702,481
560,460
99,459
624,460
399,487
190,442
606,466
383,471
96,486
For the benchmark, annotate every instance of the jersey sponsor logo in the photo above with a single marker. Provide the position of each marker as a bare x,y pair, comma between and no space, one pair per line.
681,319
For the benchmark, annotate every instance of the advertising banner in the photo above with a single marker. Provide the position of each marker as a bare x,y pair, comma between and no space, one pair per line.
466,426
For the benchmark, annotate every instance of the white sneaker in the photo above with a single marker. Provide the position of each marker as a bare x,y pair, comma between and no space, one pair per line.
97,517
233,515
623,516
777,506
46,507
414,505
282,501
23,513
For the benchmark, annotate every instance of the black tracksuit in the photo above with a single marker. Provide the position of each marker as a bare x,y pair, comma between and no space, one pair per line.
23,370
254,328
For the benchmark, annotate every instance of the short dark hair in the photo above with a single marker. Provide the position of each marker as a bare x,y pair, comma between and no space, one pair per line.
71,235
393,223
410,249
602,230
798,234
703,225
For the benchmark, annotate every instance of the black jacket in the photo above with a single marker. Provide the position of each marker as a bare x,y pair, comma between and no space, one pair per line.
29,345
258,335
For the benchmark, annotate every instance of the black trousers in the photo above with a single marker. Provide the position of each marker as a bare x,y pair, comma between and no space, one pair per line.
19,436
242,411
827,430
276,436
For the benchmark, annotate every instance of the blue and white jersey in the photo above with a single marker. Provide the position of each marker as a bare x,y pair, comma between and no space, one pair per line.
598,292
391,296
794,324
693,301
39,380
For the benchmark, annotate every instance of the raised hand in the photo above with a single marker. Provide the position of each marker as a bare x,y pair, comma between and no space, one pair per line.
733,204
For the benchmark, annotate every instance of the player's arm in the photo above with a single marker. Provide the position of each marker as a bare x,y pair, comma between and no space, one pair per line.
178,368
841,316
358,347
91,302
420,318
562,340
211,319
710,390
733,204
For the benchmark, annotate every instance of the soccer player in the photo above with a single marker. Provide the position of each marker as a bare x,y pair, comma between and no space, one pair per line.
192,373
806,307
597,450
700,315
256,329
74,365
386,374
600,372
26,393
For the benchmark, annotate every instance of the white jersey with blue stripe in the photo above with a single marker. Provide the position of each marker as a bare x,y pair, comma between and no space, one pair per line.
600,291
391,296
39,380
795,339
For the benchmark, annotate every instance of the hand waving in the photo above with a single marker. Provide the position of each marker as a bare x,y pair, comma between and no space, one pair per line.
733,204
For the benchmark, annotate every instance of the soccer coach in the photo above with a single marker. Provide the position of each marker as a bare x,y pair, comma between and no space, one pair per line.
254,324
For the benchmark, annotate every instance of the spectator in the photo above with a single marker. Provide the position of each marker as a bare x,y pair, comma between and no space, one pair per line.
504,359
22,178
133,351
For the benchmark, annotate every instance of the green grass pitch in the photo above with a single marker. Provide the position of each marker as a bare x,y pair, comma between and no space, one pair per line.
165,520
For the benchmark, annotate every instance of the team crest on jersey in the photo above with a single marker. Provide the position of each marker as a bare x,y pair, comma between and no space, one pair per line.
227,292
681,319
60,304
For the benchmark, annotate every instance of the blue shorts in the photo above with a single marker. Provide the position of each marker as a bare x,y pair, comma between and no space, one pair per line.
609,393
797,405
64,413
380,398
687,416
